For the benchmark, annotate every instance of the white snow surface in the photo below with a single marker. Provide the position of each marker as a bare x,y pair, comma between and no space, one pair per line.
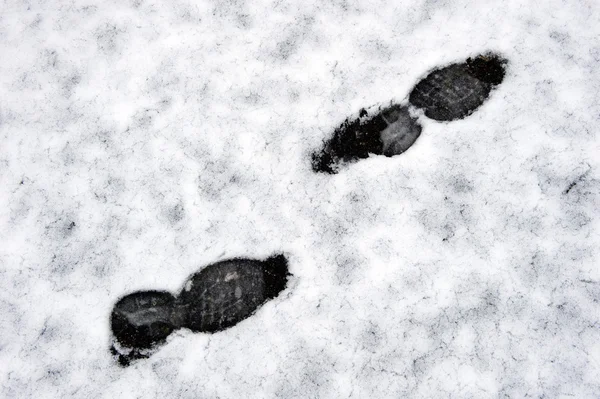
141,141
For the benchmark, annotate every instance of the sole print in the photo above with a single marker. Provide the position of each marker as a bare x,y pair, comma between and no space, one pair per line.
444,94
456,91
214,299
389,131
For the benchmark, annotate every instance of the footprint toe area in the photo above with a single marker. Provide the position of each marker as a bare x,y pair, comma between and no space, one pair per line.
225,293
456,91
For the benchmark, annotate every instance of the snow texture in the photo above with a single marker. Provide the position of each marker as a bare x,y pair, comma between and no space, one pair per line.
141,140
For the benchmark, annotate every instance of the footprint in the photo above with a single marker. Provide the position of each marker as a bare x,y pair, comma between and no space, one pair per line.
225,293
218,297
445,94
389,131
456,91
139,322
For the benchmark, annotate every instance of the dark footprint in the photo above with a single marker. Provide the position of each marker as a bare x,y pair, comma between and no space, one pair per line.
218,297
456,91
225,293
446,94
389,132
139,322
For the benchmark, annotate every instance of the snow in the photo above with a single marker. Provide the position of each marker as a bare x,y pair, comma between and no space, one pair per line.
141,141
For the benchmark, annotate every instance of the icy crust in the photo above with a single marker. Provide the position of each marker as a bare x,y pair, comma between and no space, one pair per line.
218,297
456,91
